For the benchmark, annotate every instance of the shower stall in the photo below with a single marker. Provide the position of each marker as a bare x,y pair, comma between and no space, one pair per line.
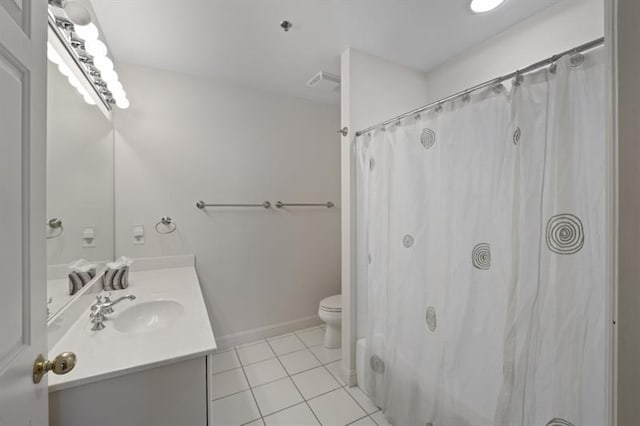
482,245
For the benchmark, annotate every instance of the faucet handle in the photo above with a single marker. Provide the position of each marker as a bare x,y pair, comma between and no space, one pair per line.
98,322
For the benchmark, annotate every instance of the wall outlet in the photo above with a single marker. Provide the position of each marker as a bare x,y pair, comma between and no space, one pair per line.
137,234
89,236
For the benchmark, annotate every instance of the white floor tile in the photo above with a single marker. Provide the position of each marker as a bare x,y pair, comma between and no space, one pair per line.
275,396
379,418
312,337
334,369
299,415
229,382
361,398
315,382
235,410
336,408
264,372
225,361
287,344
326,355
365,421
255,353
297,362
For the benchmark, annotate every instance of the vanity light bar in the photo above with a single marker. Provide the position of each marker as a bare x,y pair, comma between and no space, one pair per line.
91,53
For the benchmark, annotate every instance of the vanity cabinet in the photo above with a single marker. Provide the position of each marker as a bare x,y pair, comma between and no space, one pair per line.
171,395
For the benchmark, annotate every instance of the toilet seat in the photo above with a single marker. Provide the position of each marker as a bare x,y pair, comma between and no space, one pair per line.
332,303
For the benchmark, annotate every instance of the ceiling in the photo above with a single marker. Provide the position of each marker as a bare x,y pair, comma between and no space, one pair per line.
241,40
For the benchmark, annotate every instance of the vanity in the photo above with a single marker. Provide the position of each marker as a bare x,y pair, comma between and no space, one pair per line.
152,354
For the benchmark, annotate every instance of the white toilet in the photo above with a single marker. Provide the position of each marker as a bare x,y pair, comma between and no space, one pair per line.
330,311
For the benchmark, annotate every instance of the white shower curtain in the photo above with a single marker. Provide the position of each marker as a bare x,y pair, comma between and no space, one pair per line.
482,253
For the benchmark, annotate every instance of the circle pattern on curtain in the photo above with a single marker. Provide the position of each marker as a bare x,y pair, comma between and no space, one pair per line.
430,317
408,241
559,422
481,256
516,136
428,138
565,234
377,364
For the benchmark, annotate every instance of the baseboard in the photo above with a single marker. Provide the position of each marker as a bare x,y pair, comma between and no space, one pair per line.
350,377
240,338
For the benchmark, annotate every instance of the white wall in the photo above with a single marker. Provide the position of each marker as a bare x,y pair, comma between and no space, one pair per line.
568,24
186,139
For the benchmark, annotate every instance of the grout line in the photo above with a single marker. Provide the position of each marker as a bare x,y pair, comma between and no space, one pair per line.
296,386
255,401
257,362
231,394
372,419
253,421
225,371
356,401
323,394
357,420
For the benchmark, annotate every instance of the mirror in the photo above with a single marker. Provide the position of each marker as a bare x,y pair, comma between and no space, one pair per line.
80,193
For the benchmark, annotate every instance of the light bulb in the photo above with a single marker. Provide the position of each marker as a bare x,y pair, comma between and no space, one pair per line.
88,99
95,47
116,86
109,76
74,81
76,12
64,69
122,103
53,55
103,63
87,32
118,93
481,6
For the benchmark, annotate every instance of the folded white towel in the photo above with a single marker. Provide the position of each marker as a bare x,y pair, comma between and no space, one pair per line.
81,265
119,263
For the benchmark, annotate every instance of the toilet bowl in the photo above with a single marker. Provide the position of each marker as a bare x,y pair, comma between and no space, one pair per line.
330,311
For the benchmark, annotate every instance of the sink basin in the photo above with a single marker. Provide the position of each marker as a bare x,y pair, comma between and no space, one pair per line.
148,316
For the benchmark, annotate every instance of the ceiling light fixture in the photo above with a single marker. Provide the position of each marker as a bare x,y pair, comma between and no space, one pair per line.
482,6
87,32
75,34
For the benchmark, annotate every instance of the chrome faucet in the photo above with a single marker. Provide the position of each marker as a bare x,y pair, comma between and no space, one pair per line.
102,307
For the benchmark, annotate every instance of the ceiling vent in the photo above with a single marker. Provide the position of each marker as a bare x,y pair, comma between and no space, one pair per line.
324,81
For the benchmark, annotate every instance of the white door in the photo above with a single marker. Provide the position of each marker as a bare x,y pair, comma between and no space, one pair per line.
23,106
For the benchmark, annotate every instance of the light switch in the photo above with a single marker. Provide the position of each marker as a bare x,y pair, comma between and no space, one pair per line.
89,236
138,234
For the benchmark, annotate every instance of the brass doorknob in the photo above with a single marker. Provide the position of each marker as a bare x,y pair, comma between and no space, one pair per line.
61,364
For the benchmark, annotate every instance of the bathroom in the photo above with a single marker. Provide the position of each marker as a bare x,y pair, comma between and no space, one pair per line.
294,212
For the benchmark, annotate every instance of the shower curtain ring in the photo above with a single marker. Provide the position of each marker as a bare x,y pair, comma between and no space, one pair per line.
518,78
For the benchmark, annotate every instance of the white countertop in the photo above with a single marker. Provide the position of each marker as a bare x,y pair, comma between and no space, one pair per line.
110,353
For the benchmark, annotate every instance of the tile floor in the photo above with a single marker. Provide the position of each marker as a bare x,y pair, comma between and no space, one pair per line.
287,380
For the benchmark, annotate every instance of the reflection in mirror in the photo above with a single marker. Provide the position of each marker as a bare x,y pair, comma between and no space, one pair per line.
79,225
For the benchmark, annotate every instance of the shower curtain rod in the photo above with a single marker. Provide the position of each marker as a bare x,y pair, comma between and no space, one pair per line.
587,46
